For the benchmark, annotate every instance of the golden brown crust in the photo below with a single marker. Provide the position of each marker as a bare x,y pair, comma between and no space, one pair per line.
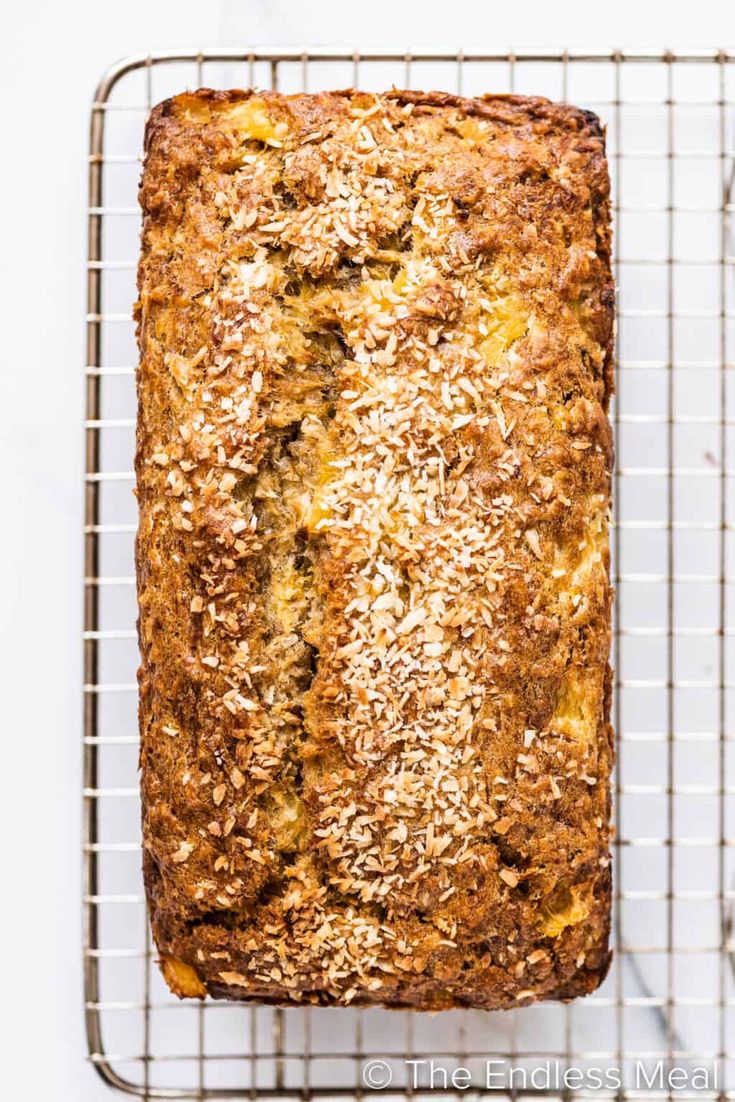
374,476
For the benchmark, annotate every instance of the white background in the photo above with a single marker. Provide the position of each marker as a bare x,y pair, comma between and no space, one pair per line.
53,54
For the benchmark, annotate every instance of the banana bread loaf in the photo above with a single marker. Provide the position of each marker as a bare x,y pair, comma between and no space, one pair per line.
373,470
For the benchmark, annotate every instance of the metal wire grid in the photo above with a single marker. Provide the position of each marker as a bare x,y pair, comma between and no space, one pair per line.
670,995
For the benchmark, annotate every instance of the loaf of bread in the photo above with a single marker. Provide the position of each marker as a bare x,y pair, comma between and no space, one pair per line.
373,470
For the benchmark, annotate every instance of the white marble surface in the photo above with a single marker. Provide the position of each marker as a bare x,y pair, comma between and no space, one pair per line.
53,55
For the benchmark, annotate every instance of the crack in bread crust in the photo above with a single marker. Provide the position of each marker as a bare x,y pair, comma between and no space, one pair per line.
373,470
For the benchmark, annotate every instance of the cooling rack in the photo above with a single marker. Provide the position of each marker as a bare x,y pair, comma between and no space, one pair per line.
670,996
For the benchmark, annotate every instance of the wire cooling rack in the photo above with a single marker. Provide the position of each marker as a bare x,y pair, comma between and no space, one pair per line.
670,996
